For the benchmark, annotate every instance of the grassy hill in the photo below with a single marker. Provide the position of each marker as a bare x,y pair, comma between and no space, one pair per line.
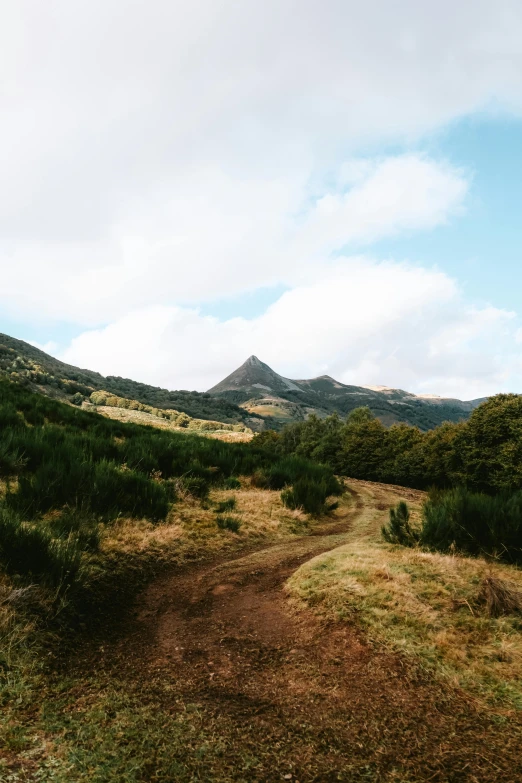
28,365
254,395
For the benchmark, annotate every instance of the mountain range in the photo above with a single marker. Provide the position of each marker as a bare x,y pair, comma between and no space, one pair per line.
260,390
254,394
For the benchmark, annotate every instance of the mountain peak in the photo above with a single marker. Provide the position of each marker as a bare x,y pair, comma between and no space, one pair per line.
253,361
256,376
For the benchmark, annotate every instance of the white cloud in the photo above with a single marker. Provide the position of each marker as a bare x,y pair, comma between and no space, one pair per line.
167,156
215,238
157,158
364,322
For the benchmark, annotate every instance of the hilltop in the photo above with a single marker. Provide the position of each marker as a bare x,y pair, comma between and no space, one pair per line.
40,372
260,390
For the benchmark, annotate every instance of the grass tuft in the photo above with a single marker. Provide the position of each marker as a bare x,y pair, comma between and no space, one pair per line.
499,596
229,504
227,522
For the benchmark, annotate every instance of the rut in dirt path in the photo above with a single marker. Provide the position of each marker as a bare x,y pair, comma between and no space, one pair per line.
291,694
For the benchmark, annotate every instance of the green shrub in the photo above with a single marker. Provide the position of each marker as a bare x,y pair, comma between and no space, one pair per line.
260,479
197,486
82,524
29,550
77,470
231,482
100,487
226,505
309,495
228,523
475,523
11,461
463,521
399,530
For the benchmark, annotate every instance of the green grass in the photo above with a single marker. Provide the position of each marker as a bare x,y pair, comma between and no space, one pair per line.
229,504
62,465
228,522
425,605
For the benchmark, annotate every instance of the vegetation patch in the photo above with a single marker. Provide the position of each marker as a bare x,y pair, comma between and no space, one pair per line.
31,367
458,617
229,504
228,522
483,454
458,520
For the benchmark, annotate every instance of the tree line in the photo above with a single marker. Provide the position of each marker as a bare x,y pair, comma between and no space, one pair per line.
483,454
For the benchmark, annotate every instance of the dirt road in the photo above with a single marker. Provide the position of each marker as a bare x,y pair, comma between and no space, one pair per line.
286,697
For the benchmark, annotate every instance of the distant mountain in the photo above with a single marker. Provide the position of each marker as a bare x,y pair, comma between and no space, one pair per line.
256,377
260,390
254,394
30,366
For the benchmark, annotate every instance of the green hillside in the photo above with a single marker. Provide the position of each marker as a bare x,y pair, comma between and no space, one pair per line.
28,365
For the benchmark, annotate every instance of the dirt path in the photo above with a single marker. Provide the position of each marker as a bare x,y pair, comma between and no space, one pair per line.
289,698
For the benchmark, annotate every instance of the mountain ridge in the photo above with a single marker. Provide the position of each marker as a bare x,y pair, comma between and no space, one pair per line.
254,394
255,386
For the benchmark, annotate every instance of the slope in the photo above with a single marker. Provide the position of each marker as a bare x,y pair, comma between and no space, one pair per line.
34,368
260,390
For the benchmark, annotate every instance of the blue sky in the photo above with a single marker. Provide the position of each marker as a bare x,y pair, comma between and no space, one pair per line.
482,246
340,197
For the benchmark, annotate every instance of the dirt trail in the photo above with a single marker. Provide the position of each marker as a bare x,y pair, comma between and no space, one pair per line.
287,695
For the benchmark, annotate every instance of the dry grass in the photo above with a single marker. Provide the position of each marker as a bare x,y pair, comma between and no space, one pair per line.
276,411
454,615
141,417
12,483
499,596
190,528
229,437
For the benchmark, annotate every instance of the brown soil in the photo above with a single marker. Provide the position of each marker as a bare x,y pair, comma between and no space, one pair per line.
304,701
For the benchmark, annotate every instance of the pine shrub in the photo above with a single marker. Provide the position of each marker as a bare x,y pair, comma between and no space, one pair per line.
30,550
475,523
399,530
232,482
309,495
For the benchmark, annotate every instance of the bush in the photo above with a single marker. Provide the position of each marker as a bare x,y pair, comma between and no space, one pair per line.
474,523
309,495
226,505
228,523
399,530
29,550
11,460
232,483
80,523
197,486
260,479
77,470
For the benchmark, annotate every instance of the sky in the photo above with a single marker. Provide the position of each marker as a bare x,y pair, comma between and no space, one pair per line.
334,187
